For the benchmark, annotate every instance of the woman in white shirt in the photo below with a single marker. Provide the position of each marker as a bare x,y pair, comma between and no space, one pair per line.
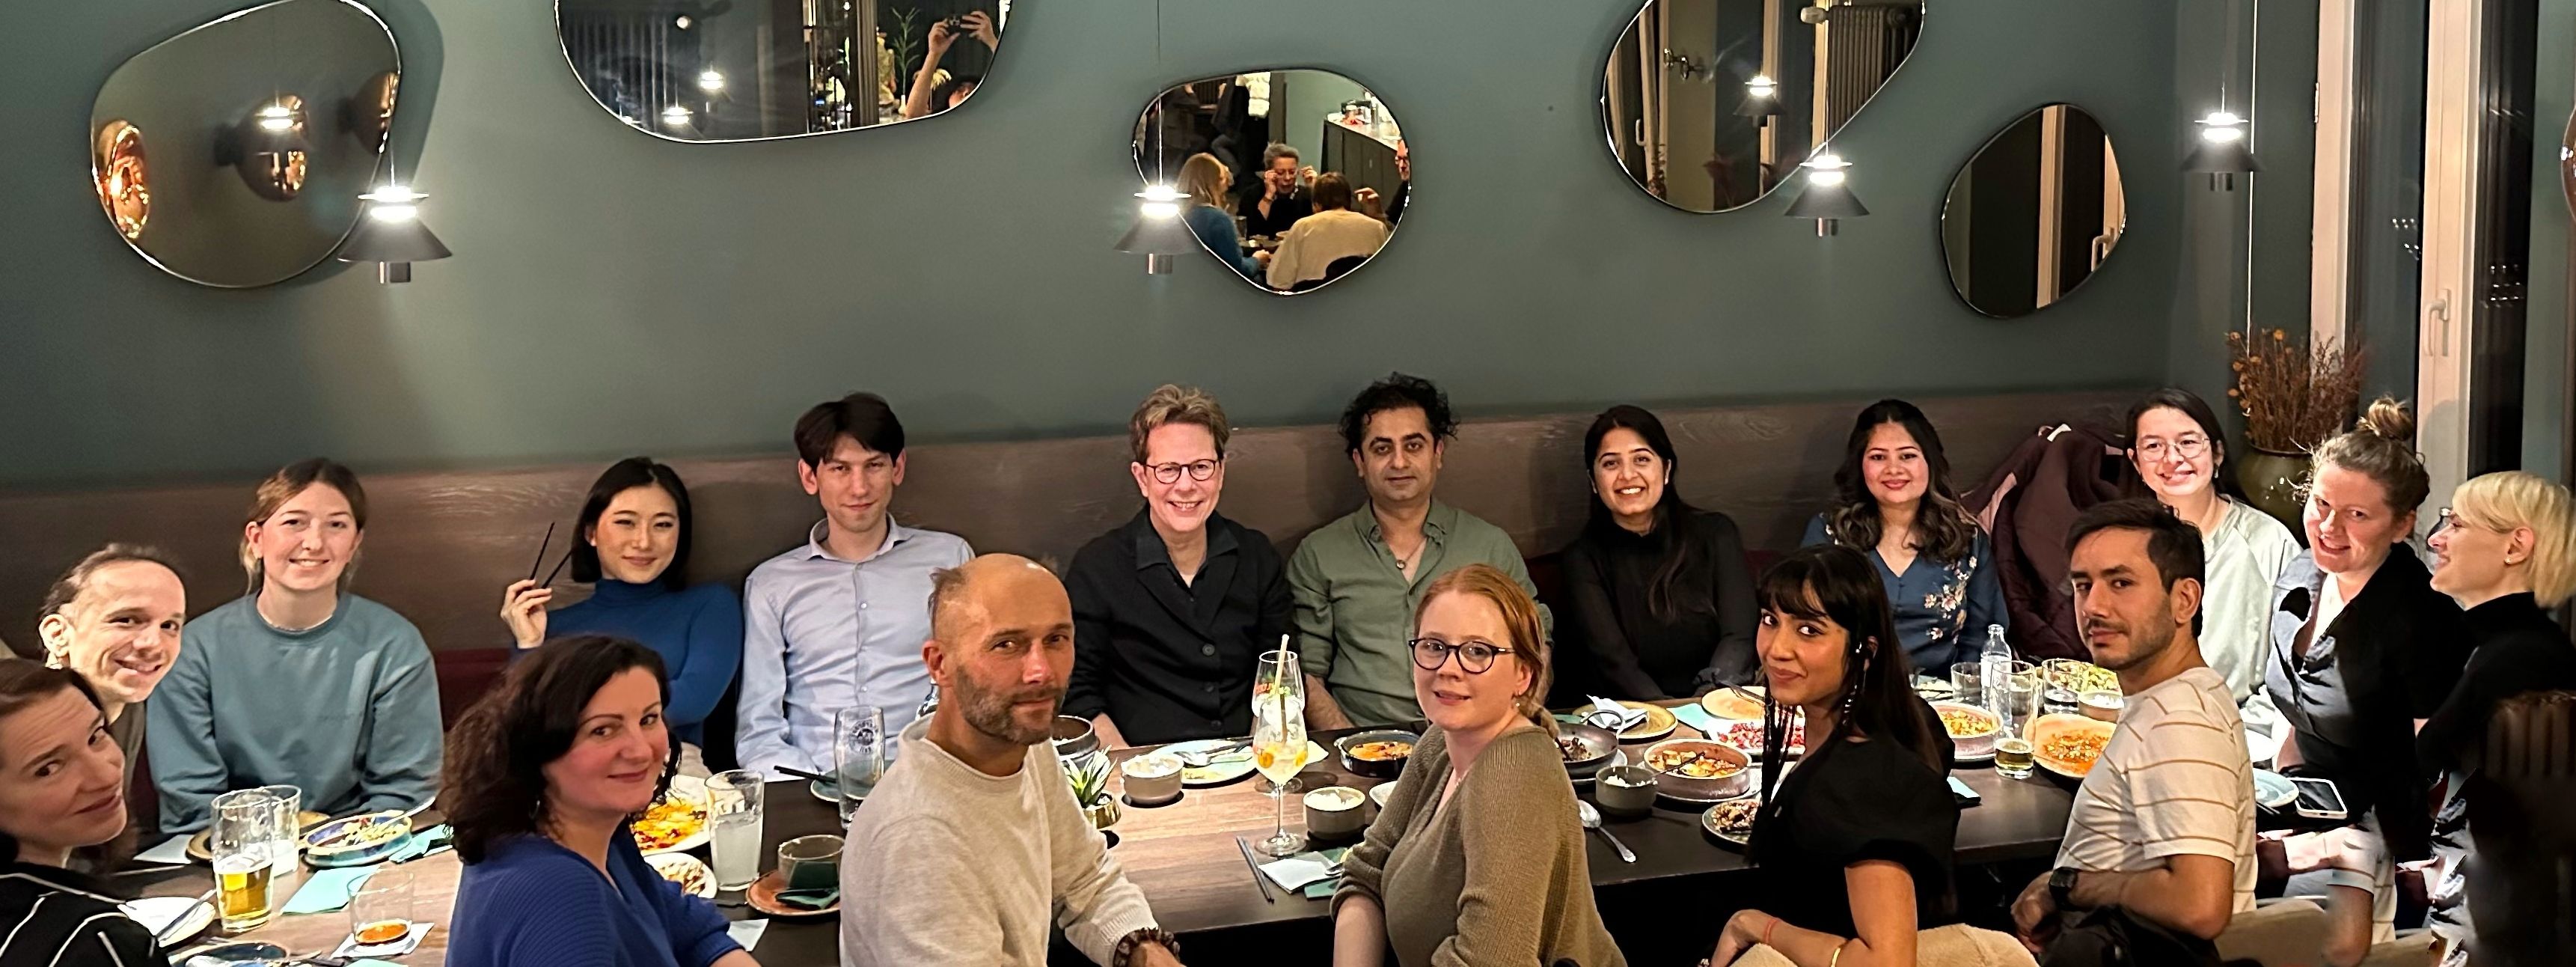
1333,232
2177,446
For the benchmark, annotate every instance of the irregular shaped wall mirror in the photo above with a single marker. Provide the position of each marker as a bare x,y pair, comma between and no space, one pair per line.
747,70
1294,177
1711,104
261,130
2034,213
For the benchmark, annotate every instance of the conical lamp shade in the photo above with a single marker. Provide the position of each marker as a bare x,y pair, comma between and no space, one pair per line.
378,240
1826,201
2229,157
1158,236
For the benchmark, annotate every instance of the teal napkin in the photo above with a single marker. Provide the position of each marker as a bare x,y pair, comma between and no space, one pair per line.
811,899
421,842
328,890
1321,889
1696,717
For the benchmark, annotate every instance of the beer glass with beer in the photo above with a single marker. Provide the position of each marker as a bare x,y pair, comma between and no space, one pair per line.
245,829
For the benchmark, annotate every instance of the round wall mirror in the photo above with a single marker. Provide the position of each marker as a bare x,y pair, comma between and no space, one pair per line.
260,130
2034,214
1711,104
1293,178
750,70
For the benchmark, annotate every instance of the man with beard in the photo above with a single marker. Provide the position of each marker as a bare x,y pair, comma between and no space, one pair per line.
973,838
2163,826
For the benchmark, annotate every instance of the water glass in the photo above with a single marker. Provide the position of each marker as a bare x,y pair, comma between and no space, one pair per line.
380,911
288,845
245,826
858,755
734,807
1968,678
2017,699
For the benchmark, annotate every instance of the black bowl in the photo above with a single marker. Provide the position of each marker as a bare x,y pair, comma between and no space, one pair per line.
1375,768
1602,742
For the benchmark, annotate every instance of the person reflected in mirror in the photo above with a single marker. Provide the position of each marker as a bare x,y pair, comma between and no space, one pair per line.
1173,610
935,90
115,619
362,732
1393,209
1204,180
1280,198
1478,857
1322,246
1896,506
62,790
631,545
1658,600
545,774
1357,581
972,849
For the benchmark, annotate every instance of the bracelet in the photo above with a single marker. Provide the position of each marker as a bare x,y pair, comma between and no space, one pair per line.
1139,937
1766,932
1838,955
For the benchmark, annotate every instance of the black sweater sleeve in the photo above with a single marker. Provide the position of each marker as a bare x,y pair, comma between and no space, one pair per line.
1734,662
1587,591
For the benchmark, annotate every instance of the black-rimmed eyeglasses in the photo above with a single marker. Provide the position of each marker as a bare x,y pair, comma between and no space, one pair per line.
1475,656
1197,469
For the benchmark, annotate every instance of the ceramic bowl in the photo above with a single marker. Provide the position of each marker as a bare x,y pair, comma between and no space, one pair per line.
1975,744
1380,768
1626,790
1696,788
1334,811
1152,778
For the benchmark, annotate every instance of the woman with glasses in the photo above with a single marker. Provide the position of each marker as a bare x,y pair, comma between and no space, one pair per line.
2178,449
1172,610
1478,857
2506,551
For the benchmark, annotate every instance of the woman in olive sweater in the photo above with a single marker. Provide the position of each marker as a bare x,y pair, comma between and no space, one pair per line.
1477,858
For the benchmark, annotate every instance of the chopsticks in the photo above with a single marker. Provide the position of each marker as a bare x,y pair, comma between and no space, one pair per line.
1259,878
542,547
802,774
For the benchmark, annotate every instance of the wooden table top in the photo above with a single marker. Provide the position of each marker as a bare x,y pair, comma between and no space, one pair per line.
1184,857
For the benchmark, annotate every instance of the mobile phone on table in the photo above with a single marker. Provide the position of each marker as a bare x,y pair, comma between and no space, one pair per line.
1961,792
2318,798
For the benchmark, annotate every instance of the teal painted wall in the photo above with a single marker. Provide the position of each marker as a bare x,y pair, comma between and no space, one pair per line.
613,293
2546,404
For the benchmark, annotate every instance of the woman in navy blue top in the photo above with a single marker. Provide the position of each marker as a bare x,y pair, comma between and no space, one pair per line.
1896,508
543,773
1204,179
632,543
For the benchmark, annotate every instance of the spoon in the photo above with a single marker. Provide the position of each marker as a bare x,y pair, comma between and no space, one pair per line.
1592,821
1200,760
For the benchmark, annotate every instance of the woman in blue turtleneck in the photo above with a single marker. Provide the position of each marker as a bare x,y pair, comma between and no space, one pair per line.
633,545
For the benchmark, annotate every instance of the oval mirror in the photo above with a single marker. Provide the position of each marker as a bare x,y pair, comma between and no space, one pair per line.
233,155
750,70
1293,178
2034,214
1711,104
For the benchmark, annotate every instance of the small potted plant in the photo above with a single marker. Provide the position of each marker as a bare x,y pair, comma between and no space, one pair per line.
2294,396
1089,776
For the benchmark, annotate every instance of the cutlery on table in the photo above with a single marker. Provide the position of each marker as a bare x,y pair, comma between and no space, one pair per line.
1259,878
1592,821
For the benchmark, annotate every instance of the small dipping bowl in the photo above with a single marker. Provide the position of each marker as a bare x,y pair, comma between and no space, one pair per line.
1334,812
1152,779
1625,790
810,862
2104,706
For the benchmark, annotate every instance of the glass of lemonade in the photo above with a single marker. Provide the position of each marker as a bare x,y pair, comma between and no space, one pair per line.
245,826
733,826
1279,740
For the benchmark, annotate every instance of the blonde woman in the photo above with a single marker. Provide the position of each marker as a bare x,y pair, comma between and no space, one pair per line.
1477,858
2506,550
1205,180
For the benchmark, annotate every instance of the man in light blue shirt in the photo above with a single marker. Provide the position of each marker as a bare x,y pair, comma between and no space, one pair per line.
840,621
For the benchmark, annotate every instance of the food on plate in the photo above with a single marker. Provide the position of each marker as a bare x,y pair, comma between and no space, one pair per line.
2078,747
1693,763
354,834
1748,737
681,868
667,823
1617,778
1574,749
1733,818
1382,751
1964,724
2078,676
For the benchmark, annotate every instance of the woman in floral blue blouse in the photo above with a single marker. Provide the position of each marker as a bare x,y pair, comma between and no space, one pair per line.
1895,505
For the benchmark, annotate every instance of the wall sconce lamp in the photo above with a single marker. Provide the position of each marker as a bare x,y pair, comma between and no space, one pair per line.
391,235
1159,234
2221,152
1827,196
1761,98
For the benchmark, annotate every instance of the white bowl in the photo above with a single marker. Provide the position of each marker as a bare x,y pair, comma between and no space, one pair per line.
1151,778
1335,811
1972,746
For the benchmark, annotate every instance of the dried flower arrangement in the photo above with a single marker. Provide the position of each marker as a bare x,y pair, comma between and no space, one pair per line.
2294,396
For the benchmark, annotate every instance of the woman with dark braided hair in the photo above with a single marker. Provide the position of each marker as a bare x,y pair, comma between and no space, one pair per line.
1896,507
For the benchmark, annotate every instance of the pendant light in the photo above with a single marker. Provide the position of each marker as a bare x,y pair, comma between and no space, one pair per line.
2225,148
1827,196
1761,98
391,234
1159,234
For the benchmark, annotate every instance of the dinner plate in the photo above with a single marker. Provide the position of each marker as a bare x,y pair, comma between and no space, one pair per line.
2048,726
1708,822
1726,704
2274,790
1659,722
684,869
693,790
1229,769
173,920
1747,737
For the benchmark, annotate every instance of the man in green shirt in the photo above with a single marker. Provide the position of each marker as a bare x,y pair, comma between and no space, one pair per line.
1357,580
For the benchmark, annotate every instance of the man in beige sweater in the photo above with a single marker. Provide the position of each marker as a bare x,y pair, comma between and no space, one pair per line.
973,839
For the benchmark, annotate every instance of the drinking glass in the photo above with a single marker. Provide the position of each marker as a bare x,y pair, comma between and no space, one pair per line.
858,755
1968,679
380,911
1279,739
245,825
733,823
288,845
2017,698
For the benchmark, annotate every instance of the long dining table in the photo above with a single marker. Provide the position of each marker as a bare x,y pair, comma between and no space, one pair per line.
1184,857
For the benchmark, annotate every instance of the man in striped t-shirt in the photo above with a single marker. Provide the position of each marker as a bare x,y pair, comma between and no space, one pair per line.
2163,827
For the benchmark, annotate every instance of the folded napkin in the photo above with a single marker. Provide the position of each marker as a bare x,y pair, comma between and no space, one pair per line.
328,890
422,843
1629,715
350,948
1304,869
171,852
1698,718
811,899
747,932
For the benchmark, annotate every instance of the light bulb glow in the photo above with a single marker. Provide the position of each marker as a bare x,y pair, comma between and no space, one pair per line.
1821,177
394,213
675,115
2221,127
393,203
681,21
1160,201
1825,168
1762,86
711,81
276,117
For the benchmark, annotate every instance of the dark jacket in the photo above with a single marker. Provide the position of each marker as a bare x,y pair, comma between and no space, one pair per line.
2390,658
2029,504
1613,642
56,916
1169,661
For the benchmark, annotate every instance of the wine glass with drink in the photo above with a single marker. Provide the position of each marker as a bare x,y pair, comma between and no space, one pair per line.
1279,739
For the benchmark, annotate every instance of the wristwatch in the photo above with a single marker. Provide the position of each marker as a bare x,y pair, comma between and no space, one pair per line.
2061,887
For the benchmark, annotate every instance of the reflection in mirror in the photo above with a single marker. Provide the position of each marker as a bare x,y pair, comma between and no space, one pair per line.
745,70
293,98
1294,177
2034,214
1711,104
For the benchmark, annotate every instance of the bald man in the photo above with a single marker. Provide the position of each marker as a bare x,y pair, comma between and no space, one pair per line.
973,839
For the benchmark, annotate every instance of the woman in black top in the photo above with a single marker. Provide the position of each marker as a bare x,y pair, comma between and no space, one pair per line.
1854,846
61,788
2505,550
1172,610
1657,589
2362,646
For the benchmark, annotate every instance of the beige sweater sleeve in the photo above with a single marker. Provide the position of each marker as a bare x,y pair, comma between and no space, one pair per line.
915,921
1094,902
